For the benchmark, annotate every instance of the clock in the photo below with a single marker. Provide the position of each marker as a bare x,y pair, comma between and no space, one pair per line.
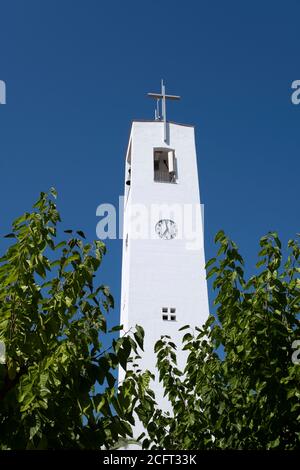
166,229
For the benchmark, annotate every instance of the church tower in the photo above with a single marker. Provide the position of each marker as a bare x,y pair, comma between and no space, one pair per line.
163,276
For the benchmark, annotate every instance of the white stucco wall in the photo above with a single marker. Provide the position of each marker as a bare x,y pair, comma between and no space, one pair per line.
160,273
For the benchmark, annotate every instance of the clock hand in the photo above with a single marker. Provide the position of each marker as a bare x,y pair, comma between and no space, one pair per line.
165,232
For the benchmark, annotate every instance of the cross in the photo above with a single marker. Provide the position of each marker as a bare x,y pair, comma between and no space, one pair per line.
162,96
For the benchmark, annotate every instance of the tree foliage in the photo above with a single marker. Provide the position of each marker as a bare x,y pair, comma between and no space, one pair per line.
240,388
57,384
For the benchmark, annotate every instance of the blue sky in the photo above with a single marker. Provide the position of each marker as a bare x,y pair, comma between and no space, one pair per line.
77,74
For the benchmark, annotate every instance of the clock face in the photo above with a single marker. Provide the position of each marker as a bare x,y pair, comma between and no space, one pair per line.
166,229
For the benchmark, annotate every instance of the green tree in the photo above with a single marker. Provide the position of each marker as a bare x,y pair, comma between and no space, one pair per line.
240,388
57,383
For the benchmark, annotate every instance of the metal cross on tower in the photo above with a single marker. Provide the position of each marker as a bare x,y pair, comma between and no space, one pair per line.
162,97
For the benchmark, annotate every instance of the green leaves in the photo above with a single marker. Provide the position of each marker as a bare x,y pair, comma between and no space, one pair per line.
139,336
53,326
240,388
184,327
53,192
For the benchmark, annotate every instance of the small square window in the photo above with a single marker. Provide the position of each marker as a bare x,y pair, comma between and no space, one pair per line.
164,310
165,317
173,310
173,317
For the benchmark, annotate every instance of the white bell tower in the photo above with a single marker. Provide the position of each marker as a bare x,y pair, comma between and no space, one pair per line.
163,276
